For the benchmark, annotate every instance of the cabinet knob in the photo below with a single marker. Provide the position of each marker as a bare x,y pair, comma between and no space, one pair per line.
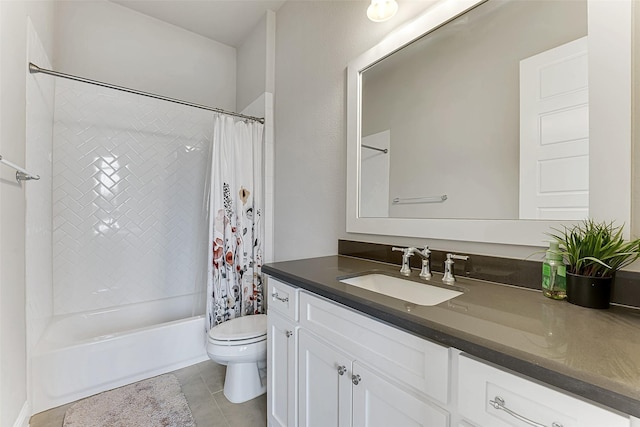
355,379
288,333
342,369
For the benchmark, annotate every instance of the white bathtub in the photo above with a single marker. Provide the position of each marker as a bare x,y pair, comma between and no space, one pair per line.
86,353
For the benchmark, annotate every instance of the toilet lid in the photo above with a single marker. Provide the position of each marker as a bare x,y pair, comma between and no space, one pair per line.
240,328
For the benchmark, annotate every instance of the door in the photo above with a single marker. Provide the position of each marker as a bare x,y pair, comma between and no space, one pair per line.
554,133
378,402
281,369
324,384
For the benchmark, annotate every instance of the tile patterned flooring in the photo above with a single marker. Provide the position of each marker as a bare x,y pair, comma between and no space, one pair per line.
202,386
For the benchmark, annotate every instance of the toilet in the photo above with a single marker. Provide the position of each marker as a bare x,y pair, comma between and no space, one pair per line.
241,345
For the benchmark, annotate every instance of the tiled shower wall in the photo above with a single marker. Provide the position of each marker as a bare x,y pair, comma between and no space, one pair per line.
129,177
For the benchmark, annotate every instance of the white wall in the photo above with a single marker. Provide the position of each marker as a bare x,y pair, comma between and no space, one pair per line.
250,66
13,60
311,136
104,41
256,59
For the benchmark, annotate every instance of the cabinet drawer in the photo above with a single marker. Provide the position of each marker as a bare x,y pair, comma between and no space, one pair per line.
282,298
482,387
415,362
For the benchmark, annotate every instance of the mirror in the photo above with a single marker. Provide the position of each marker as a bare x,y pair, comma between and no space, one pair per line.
427,106
458,172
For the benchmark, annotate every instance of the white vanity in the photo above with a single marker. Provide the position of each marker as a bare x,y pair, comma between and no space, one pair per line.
332,365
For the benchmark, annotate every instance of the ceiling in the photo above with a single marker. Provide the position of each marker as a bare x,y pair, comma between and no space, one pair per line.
225,21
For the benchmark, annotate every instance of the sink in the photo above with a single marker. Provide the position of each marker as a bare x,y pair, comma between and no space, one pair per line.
406,290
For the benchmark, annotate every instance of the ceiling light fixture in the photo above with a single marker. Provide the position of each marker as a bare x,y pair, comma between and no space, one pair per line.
381,10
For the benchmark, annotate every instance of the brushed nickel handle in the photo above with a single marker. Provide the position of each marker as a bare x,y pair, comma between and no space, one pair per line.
283,299
499,404
342,369
355,379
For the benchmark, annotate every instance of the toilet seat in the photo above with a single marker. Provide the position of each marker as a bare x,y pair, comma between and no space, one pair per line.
237,342
240,331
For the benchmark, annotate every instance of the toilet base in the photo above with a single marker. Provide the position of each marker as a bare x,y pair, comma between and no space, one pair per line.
245,381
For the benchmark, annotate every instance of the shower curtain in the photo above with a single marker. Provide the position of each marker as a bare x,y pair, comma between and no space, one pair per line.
234,281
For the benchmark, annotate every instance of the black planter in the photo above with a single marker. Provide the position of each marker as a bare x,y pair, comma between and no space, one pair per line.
586,291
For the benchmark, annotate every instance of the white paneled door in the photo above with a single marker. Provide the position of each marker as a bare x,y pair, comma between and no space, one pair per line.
554,133
378,402
325,384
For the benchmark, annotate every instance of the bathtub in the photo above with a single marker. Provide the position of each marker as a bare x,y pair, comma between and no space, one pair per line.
86,353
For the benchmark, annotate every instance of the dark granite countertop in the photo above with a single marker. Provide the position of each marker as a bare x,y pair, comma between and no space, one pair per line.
594,354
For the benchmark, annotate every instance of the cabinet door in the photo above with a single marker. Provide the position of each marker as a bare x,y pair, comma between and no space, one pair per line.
324,383
379,403
281,370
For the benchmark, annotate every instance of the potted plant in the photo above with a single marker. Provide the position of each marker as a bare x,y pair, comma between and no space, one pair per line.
593,252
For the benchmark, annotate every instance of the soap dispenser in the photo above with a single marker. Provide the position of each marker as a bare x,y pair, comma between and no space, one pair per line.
554,273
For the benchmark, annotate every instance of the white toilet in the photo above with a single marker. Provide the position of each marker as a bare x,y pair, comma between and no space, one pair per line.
241,345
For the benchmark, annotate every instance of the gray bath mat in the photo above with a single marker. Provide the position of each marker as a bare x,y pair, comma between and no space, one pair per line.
156,402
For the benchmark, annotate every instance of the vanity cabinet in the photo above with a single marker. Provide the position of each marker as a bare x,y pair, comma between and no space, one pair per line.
491,397
331,366
341,368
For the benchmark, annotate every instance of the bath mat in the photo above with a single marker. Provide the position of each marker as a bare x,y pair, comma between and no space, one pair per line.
156,402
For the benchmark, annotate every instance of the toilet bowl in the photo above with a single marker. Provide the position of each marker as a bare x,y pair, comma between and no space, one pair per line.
241,345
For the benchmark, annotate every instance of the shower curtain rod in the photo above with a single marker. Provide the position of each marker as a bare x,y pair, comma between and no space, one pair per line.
35,69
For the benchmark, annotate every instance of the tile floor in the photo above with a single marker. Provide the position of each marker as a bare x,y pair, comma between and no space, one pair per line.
202,386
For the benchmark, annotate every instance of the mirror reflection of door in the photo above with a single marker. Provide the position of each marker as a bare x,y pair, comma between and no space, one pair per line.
554,133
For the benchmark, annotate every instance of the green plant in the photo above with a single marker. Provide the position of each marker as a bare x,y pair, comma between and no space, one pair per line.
595,249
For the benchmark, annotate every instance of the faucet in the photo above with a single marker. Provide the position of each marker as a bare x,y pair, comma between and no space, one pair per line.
406,254
448,267
425,273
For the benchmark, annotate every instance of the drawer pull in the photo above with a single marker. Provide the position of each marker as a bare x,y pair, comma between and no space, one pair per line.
283,299
342,369
498,403
288,334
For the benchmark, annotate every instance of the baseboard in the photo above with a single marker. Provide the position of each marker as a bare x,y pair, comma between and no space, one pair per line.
23,416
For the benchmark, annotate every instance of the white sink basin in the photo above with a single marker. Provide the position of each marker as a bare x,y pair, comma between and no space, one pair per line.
406,290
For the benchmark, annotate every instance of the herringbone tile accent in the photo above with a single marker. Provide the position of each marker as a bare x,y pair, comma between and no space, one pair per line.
128,194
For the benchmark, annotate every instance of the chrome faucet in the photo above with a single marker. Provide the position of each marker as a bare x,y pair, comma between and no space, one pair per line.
449,277
405,270
425,273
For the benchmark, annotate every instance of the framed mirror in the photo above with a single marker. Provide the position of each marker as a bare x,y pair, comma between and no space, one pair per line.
489,121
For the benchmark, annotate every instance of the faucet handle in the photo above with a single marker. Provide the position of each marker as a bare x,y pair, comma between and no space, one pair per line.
406,254
449,277
405,251
425,273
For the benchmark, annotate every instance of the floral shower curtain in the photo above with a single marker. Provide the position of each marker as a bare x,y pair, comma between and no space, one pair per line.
234,284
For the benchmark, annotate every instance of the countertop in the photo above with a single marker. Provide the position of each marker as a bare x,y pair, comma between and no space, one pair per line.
591,353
